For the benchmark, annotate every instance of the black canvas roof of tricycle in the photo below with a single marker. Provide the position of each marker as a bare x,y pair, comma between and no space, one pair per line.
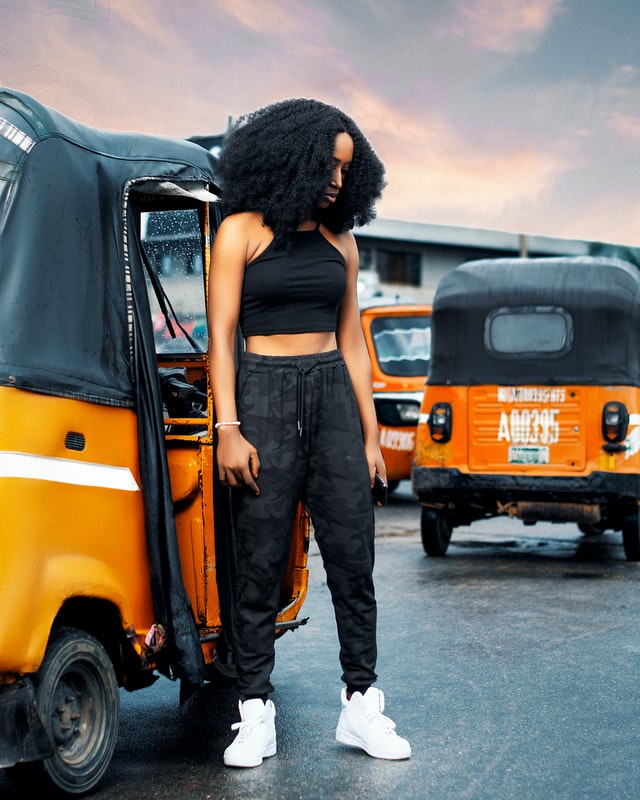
75,319
63,271
601,295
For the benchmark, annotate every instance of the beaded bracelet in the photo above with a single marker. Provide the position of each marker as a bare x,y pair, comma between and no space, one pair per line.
225,424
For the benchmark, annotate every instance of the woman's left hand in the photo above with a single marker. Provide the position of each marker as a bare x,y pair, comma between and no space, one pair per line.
375,462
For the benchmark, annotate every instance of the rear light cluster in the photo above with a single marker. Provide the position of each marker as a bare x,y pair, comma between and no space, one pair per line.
615,424
440,422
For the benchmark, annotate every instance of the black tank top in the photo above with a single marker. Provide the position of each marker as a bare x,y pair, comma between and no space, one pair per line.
293,291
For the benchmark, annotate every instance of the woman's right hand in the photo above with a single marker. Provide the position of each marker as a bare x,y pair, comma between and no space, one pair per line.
238,461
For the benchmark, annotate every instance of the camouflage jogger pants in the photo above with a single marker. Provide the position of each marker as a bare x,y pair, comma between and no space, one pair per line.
301,415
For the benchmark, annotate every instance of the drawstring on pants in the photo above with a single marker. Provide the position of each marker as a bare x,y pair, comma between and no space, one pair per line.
300,399
301,365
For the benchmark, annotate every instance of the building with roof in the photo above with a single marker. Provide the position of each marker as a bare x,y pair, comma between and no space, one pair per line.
409,258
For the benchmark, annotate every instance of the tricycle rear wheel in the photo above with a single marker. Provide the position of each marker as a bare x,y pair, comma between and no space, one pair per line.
78,701
589,530
436,530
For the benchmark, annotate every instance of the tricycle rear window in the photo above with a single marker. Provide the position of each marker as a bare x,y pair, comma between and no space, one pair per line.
402,344
538,332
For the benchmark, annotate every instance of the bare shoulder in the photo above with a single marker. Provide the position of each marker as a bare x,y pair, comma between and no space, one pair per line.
243,223
243,233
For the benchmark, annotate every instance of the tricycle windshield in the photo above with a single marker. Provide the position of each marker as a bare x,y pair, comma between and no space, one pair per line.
173,244
402,344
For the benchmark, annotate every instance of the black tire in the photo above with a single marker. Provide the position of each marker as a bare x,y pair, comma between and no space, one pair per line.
631,536
436,530
589,530
78,701
392,486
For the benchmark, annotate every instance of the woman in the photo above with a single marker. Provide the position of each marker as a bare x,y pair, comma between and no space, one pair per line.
297,423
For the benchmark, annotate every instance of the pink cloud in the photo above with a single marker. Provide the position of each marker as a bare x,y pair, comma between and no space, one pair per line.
439,173
504,26
626,125
474,182
262,18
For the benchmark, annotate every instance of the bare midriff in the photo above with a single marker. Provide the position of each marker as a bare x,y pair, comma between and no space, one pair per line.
292,344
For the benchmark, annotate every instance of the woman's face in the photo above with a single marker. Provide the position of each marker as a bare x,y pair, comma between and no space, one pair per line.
342,158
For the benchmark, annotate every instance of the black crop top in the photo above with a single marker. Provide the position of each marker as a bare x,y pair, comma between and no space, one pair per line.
294,291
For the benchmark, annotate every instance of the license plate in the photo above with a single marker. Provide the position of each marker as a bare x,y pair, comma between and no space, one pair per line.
529,455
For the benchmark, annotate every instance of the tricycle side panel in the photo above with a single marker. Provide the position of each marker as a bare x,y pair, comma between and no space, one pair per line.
73,519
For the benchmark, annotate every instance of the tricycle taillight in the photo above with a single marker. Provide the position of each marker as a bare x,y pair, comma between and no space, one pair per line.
615,421
440,422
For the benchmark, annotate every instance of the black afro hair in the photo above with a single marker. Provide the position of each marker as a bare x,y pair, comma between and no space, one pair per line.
278,161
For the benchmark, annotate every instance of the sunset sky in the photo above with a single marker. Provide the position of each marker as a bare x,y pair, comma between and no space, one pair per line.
514,115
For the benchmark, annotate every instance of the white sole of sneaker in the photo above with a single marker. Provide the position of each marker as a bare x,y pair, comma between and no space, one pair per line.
250,763
344,737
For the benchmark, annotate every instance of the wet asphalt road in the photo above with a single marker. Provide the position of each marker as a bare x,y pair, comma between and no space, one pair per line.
512,665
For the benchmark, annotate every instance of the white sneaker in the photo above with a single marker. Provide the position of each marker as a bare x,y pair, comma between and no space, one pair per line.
256,737
362,724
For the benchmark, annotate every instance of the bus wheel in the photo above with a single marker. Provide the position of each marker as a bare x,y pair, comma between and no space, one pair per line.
631,536
78,701
436,529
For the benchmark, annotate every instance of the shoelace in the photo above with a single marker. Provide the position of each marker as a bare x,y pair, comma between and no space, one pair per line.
245,726
379,718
